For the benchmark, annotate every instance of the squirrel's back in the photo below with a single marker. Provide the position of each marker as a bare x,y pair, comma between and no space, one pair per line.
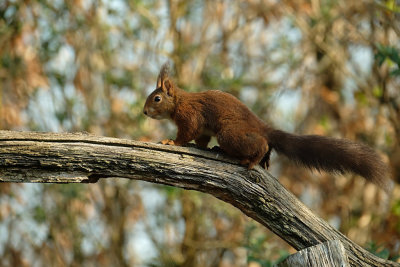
209,104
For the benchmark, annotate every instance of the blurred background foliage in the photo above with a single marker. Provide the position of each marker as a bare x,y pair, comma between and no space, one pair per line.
329,67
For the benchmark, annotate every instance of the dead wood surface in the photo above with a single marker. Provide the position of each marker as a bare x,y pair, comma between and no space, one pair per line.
75,158
327,254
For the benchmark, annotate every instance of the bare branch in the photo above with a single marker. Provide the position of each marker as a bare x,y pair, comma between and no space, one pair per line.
54,158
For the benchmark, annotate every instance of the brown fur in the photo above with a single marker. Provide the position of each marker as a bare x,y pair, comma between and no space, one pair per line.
241,134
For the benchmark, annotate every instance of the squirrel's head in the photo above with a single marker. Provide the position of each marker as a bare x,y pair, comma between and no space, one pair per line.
160,103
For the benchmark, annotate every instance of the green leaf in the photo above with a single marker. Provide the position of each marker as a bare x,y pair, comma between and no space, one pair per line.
389,55
39,214
377,92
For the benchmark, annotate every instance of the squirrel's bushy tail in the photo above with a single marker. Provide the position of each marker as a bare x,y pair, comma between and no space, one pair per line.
332,155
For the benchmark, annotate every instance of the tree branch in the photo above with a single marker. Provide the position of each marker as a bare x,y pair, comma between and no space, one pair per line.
66,158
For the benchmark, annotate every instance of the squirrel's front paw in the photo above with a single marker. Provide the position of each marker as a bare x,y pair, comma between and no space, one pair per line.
168,142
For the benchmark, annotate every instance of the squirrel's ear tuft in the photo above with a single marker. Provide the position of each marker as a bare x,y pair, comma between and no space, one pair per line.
164,82
163,75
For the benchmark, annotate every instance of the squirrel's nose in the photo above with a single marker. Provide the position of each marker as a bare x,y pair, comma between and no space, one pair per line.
145,112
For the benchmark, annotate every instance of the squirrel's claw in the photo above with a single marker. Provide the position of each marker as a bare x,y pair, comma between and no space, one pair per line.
265,160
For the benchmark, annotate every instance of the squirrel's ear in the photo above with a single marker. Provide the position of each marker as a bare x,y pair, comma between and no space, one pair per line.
163,75
168,87
158,85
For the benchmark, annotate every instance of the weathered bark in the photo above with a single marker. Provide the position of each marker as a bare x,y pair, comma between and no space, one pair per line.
55,158
327,254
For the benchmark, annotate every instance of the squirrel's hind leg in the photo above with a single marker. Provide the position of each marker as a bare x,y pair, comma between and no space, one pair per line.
249,147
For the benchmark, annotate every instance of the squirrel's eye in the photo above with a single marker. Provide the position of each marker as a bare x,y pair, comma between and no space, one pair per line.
157,98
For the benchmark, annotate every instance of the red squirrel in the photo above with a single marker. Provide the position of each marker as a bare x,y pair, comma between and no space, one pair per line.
241,134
